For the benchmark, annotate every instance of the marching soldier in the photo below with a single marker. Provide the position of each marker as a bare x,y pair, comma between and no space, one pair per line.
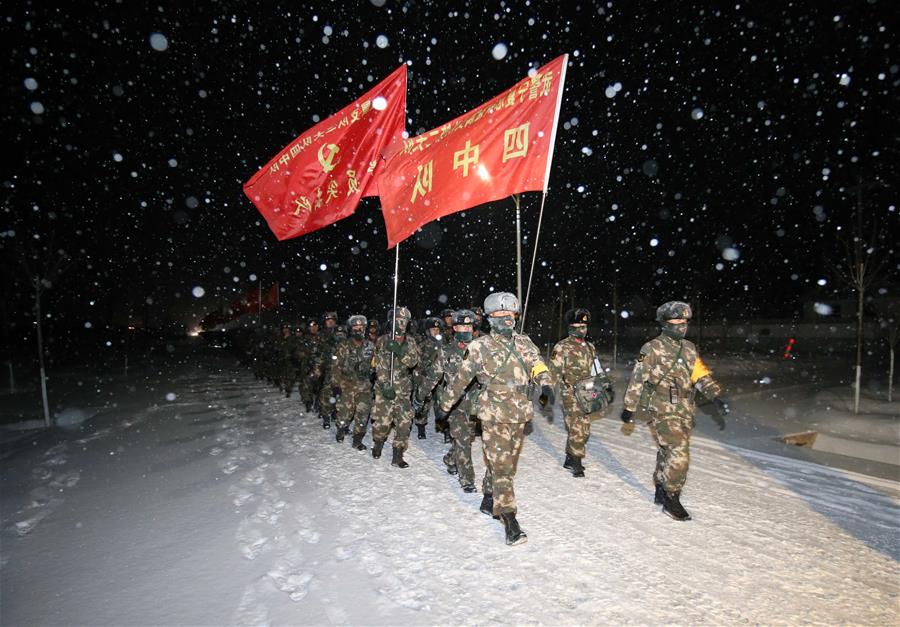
428,372
353,376
327,398
585,388
396,354
313,351
447,319
662,384
503,362
373,330
290,358
459,458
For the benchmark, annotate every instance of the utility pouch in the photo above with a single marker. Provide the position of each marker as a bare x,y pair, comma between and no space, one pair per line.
590,394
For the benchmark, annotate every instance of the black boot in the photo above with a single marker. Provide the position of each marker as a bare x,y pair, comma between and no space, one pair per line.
358,442
487,504
568,463
339,433
577,468
326,421
451,466
421,429
398,459
514,533
659,495
308,406
447,438
377,445
468,488
673,507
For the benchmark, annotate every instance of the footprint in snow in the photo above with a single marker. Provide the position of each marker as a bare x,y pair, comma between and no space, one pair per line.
230,466
216,450
296,585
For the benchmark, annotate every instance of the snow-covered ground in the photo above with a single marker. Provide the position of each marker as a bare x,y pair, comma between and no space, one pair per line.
228,505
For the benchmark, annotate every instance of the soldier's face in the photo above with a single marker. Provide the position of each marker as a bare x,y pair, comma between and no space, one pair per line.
330,324
434,331
462,328
358,329
313,329
677,321
448,321
373,333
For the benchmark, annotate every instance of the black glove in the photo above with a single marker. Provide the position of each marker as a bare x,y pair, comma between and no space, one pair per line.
440,415
547,393
610,394
627,416
529,427
723,405
395,347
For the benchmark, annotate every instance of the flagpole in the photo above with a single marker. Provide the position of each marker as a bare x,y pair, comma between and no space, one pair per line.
517,198
394,310
259,305
537,235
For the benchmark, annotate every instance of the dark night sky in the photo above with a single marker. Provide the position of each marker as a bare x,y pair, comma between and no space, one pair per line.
718,171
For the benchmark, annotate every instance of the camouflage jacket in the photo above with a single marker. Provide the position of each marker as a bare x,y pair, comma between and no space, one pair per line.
430,370
353,363
504,367
403,365
453,358
664,377
571,361
289,350
313,354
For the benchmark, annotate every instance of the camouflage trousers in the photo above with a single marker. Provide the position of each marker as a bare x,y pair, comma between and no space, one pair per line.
309,387
398,414
579,428
672,434
288,376
460,453
501,445
327,401
354,406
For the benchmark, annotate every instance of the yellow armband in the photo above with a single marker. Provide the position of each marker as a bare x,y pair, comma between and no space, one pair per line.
538,369
700,371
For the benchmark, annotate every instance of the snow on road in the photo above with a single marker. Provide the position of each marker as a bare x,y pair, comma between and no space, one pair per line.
228,505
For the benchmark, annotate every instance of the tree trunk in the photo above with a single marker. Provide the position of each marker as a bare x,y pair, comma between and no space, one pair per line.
40,341
859,338
891,377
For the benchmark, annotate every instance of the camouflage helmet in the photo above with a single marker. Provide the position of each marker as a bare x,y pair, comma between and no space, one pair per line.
462,317
446,313
356,319
373,324
673,310
330,315
578,316
501,301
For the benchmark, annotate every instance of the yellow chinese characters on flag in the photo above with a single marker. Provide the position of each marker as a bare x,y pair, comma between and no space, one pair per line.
503,147
320,177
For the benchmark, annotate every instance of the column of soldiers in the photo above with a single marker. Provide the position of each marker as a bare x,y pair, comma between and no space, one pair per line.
477,381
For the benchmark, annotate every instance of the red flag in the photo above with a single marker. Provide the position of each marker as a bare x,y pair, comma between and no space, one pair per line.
503,147
319,177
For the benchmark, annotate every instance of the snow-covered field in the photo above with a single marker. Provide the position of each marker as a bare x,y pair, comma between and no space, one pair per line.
228,505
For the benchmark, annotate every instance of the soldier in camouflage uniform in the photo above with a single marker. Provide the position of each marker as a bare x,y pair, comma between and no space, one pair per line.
447,319
327,399
585,389
313,357
504,363
290,358
428,373
373,330
459,458
353,375
395,357
662,384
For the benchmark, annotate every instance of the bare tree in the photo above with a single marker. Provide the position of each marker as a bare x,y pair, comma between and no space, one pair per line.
859,267
42,266
889,323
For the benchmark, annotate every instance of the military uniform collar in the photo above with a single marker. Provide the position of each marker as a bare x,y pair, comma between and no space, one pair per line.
671,341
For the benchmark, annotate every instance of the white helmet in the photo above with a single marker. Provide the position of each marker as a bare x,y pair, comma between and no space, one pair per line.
501,301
